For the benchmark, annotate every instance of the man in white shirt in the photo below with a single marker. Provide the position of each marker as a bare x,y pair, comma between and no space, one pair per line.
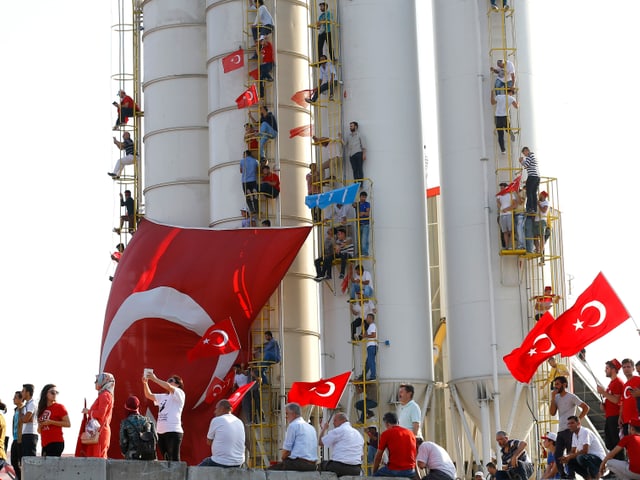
500,79
360,309
226,437
433,457
505,204
327,80
346,446
503,103
28,420
409,414
586,452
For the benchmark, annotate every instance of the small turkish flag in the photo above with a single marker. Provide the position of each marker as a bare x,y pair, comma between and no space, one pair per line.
512,187
523,361
299,97
220,338
597,311
254,74
249,97
323,393
301,131
220,386
233,61
236,397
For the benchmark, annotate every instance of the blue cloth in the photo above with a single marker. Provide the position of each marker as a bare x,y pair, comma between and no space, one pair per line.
343,196
385,472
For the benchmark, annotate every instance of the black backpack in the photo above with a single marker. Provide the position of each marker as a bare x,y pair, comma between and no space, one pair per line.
144,442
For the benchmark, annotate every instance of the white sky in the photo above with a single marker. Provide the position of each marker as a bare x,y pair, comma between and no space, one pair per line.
60,205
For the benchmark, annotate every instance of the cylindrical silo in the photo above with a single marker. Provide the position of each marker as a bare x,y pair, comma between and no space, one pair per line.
379,62
175,89
226,32
484,293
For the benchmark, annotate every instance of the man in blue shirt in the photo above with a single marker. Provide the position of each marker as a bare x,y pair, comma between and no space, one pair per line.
364,212
324,29
300,447
249,172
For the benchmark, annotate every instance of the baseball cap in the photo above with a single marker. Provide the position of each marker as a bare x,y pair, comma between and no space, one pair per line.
550,436
481,474
261,37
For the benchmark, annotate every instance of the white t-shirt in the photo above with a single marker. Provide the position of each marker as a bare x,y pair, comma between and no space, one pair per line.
326,70
226,433
505,202
543,209
29,427
369,307
366,277
436,458
345,443
170,411
585,437
263,16
501,104
371,328
241,379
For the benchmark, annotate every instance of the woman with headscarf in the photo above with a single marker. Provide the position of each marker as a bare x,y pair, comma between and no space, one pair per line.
170,403
52,417
101,410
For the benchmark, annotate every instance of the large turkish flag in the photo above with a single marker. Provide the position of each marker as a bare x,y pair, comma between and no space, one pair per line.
170,286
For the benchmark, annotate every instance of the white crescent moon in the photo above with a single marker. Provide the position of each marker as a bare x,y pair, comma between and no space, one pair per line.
624,394
250,95
602,310
235,59
171,305
540,337
332,388
225,336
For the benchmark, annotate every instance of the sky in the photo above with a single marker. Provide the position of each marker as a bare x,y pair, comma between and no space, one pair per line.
60,205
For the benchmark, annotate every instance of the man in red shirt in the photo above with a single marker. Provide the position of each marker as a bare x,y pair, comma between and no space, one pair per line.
629,405
269,183
611,405
266,63
126,108
401,444
620,468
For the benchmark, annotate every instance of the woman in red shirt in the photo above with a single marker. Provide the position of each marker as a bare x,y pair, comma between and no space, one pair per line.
52,417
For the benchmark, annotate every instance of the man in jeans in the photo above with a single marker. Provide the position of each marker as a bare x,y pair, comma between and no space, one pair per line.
514,458
401,445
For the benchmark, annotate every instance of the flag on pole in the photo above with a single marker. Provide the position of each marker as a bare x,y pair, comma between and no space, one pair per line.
220,386
343,196
233,61
249,97
323,393
512,187
597,311
523,361
236,397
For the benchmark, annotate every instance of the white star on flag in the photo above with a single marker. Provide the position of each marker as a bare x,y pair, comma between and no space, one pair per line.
578,324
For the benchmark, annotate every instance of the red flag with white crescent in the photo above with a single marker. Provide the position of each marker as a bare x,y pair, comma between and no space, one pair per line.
219,387
220,338
597,311
233,61
236,397
323,393
248,97
171,285
514,186
523,361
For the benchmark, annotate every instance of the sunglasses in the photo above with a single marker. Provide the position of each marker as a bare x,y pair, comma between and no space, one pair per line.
54,392
171,380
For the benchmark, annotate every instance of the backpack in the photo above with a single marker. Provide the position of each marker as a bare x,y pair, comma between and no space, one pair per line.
144,441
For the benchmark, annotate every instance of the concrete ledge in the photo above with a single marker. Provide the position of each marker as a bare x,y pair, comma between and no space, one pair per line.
217,473
158,470
290,475
64,468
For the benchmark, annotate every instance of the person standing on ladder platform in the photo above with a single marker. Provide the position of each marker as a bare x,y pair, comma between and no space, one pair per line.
324,30
128,158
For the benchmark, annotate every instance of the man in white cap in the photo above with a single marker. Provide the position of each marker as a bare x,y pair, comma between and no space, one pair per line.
549,444
479,475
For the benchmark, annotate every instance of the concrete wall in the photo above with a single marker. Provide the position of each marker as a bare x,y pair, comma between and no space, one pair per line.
67,468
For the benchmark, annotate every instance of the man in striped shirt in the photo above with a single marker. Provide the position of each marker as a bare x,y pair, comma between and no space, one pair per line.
127,159
344,249
529,162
